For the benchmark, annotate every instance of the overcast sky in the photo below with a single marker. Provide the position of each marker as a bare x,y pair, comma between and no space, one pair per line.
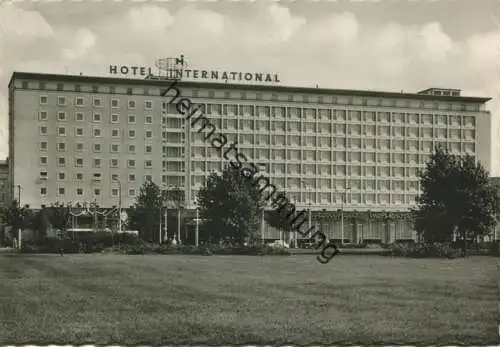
386,45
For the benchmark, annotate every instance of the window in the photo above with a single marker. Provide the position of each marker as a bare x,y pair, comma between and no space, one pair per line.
115,118
97,117
97,176
61,147
96,132
97,102
115,133
148,105
131,163
129,91
61,116
113,163
79,191
43,190
61,176
114,177
78,162
61,131
131,134
78,88
43,115
148,164
61,161
79,101
44,175
148,178
61,100
41,85
25,85
97,191
97,147
44,99
79,146
114,103
61,191
131,192
79,132
60,87
79,116
112,90
114,192
43,145
148,149
131,104
79,176
149,134
115,148
131,119
97,162
148,120
131,148
131,177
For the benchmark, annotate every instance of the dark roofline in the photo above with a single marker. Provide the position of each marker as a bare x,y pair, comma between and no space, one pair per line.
259,87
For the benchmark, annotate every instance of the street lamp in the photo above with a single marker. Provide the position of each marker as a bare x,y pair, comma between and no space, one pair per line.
19,232
344,194
19,194
309,211
119,205
197,230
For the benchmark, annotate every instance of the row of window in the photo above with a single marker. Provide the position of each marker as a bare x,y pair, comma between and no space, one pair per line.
97,176
325,114
353,198
96,102
61,191
96,147
114,118
283,112
275,139
330,99
96,162
95,132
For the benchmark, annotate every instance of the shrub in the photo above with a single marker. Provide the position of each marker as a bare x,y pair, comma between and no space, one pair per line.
424,250
354,245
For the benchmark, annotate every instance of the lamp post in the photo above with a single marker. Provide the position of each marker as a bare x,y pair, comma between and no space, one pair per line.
19,232
342,214
197,230
119,205
19,194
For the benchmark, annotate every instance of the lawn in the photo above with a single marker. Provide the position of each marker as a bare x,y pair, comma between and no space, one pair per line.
181,299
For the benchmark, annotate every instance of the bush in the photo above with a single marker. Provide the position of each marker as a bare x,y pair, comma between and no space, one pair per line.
51,245
354,245
424,250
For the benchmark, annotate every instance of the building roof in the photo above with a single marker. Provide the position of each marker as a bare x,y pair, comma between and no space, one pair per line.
257,87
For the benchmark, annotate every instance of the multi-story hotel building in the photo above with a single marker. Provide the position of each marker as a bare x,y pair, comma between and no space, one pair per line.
71,137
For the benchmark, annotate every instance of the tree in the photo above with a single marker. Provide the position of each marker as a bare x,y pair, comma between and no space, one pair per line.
280,218
146,213
176,196
41,222
231,205
59,216
457,198
18,217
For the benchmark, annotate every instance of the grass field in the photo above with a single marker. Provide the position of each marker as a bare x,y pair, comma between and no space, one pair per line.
158,300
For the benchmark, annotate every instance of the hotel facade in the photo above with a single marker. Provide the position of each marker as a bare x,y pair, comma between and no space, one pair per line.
73,138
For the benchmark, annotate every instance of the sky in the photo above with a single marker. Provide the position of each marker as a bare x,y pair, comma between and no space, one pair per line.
405,45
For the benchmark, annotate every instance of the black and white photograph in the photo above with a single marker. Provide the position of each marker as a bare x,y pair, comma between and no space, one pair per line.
251,172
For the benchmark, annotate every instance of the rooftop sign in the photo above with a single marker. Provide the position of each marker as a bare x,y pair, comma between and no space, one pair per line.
176,69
